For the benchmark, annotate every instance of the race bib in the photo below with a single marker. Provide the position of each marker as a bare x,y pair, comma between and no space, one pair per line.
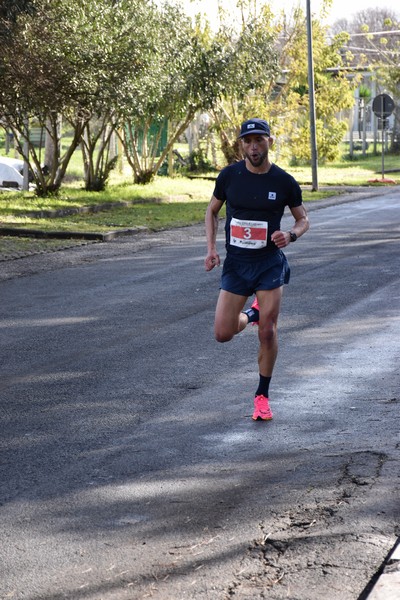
249,234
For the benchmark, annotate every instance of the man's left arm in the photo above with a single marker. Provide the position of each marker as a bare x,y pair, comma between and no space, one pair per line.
301,225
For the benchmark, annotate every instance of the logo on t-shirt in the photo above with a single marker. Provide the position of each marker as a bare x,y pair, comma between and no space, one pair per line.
272,196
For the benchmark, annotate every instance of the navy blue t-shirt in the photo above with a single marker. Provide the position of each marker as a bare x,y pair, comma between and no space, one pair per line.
255,204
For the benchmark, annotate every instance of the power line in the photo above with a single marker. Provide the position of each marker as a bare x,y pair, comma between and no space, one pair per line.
372,33
372,50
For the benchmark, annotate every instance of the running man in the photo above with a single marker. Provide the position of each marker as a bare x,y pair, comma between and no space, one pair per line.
256,192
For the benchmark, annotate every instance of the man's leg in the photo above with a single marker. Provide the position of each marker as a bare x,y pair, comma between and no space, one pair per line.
269,305
229,320
269,302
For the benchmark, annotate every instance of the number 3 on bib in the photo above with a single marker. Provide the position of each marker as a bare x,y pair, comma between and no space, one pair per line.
249,234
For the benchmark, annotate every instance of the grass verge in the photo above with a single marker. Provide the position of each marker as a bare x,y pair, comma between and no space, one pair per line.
165,203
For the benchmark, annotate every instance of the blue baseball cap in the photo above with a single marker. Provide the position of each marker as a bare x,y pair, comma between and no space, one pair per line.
257,126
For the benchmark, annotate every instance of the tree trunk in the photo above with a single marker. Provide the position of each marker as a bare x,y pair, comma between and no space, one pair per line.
50,150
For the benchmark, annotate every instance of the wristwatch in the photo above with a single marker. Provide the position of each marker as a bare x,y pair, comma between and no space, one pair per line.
293,236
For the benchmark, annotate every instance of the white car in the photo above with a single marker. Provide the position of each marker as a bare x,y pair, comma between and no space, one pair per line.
11,172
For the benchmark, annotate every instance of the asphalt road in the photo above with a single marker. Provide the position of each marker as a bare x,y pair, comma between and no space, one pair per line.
130,466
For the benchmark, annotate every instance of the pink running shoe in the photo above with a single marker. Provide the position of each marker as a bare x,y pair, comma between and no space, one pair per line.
262,410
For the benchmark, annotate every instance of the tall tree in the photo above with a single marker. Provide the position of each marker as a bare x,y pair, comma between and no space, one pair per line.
374,41
273,52
251,67
121,48
74,58
185,75
333,91
44,81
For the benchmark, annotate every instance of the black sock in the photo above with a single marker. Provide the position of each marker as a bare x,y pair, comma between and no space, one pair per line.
253,315
263,386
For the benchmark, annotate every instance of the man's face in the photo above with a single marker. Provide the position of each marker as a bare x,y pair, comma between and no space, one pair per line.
255,148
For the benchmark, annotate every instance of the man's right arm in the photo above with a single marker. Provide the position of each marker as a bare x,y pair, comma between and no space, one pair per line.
212,259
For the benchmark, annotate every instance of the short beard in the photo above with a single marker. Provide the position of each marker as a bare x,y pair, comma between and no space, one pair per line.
260,160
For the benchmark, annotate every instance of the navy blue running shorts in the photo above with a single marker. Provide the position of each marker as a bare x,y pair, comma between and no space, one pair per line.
244,277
